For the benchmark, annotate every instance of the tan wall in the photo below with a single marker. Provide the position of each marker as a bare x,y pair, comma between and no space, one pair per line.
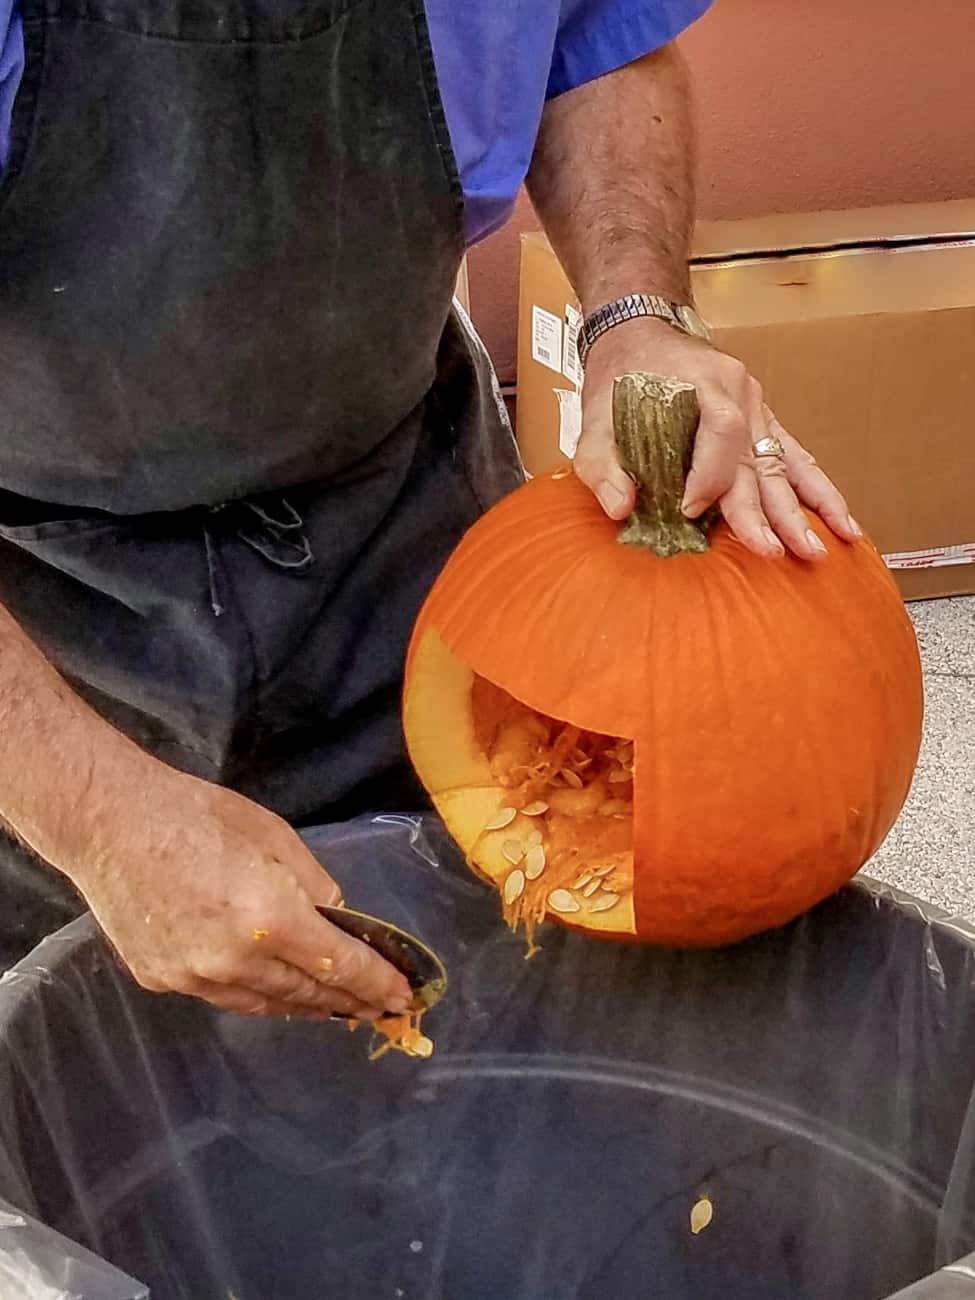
803,104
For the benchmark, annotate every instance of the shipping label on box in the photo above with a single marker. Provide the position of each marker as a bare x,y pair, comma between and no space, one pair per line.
546,339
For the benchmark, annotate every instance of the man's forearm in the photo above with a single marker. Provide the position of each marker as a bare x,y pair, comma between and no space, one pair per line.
612,181
64,771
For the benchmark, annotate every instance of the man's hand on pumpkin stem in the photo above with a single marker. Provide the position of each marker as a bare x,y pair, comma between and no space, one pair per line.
759,496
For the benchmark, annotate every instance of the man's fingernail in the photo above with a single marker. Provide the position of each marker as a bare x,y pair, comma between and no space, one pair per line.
855,528
611,498
690,508
773,542
814,543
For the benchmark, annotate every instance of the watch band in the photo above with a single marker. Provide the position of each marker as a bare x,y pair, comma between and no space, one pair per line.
631,307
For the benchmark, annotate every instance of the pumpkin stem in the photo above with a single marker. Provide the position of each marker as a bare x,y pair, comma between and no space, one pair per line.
655,420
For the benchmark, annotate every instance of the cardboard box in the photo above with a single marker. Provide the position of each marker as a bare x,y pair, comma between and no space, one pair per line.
462,289
860,326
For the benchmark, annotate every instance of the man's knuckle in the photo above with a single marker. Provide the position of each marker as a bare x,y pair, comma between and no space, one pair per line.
217,968
770,468
734,370
258,921
347,967
304,990
726,421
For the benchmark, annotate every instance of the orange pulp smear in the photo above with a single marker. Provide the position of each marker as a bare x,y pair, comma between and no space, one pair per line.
402,1033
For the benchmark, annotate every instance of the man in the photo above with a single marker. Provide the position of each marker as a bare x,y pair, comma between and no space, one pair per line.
241,428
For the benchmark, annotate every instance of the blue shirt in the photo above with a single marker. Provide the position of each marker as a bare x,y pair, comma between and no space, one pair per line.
497,62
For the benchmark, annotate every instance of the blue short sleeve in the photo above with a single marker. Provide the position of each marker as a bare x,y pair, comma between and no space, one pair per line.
597,36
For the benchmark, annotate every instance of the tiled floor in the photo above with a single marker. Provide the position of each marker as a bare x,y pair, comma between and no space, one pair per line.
931,851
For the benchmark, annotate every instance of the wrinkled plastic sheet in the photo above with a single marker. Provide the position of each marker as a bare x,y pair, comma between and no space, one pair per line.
814,1086
37,1263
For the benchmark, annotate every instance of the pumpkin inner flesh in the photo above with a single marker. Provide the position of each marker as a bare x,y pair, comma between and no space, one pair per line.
568,809
542,809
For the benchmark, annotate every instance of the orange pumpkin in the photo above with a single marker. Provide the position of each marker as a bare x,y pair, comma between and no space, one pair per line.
672,740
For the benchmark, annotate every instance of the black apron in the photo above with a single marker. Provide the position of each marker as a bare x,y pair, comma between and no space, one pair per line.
241,426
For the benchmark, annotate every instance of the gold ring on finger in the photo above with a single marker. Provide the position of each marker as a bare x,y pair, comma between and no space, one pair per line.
770,446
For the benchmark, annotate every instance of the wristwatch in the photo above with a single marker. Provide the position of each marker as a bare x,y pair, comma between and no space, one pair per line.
631,307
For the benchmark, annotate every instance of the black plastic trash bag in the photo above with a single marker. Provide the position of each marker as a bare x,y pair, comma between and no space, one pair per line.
808,1091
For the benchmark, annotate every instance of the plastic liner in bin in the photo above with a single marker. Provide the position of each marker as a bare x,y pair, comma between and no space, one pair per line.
37,1263
813,1085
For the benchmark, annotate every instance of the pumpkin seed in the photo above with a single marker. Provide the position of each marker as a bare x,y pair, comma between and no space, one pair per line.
533,838
701,1215
535,809
618,776
534,862
591,888
422,1047
514,886
513,851
502,818
572,778
560,900
583,880
604,870
604,902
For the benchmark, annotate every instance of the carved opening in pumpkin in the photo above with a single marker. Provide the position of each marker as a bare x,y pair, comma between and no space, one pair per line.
542,809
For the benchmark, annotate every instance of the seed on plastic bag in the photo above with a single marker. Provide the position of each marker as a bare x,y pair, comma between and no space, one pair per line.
701,1215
